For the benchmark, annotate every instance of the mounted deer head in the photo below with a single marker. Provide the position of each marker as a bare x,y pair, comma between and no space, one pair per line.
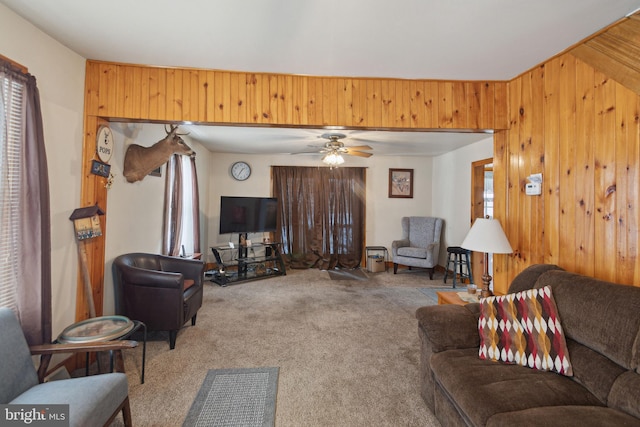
139,161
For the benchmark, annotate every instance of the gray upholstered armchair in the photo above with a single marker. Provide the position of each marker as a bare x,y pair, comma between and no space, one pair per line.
420,243
161,291
93,401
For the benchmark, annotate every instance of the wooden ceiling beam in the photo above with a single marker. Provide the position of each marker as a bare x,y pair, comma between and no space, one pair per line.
615,52
604,63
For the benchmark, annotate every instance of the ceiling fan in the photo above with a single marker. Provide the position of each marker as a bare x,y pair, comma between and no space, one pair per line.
334,149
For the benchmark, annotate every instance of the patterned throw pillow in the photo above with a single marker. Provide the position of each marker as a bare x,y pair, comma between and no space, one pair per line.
524,329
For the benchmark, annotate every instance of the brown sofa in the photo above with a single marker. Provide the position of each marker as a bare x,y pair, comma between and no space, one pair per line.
601,323
163,292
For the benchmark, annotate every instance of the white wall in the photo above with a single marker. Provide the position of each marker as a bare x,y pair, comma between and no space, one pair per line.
60,77
383,213
442,188
135,210
452,190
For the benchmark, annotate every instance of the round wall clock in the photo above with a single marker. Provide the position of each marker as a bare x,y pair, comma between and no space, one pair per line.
104,144
240,171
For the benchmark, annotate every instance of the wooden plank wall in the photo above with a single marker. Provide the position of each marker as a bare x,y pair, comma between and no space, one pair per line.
125,92
132,92
564,119
581,130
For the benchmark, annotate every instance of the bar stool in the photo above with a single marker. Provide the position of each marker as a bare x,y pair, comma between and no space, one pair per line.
458,257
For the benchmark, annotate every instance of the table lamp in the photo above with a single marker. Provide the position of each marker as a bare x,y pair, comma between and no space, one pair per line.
486,235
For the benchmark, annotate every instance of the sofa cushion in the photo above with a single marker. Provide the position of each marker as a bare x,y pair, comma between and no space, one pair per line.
563,416
591,309
592,370
625,393
92,400
524,329
526,279
413,252
481,388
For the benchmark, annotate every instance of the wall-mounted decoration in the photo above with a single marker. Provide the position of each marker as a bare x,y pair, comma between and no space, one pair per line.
141,161
240,171
86,222
104,144
99,168
401,183
109,182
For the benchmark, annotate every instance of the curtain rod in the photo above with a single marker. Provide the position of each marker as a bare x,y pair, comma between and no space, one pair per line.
15,64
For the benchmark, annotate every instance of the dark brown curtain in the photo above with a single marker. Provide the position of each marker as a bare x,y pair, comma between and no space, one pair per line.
32,230
321,215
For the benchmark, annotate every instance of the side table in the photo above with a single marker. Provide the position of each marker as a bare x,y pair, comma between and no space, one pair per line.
104,328
450,298
382,249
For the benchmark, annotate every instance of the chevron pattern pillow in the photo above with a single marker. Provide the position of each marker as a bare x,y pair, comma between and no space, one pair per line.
524,329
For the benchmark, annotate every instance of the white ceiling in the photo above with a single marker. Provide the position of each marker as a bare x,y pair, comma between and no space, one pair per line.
415,39
257,140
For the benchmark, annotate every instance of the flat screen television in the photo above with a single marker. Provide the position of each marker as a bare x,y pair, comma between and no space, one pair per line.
248,214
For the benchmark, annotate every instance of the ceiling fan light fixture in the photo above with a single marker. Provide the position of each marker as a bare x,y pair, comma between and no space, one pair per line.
333,159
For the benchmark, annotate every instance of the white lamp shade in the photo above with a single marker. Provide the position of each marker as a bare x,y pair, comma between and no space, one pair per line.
486,235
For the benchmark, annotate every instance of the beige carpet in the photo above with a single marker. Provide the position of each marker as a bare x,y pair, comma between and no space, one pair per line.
347,350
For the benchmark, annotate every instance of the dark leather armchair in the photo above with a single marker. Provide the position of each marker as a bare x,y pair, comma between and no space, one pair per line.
161,291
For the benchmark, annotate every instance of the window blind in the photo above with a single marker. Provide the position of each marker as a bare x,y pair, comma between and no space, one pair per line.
11,129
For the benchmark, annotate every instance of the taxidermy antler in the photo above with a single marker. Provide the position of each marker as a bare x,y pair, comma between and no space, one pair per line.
139,161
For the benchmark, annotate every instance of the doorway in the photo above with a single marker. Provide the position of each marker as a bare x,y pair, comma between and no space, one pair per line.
481,207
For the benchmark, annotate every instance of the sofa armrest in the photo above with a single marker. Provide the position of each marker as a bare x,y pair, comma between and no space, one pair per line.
450,326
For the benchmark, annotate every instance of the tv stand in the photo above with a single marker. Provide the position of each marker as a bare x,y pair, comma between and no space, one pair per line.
247,262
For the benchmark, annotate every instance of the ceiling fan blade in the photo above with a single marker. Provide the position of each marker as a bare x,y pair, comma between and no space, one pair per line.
358,147
358,153
307,152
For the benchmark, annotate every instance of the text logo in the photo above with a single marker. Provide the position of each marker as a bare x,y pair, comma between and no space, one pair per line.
34,415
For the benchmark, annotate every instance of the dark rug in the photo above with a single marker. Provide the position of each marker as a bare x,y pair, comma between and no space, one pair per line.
348,274
235,397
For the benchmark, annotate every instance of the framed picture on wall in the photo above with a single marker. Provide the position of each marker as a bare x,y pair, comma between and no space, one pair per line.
401,183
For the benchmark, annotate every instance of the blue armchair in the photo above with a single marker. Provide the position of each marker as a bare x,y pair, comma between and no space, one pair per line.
93,401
